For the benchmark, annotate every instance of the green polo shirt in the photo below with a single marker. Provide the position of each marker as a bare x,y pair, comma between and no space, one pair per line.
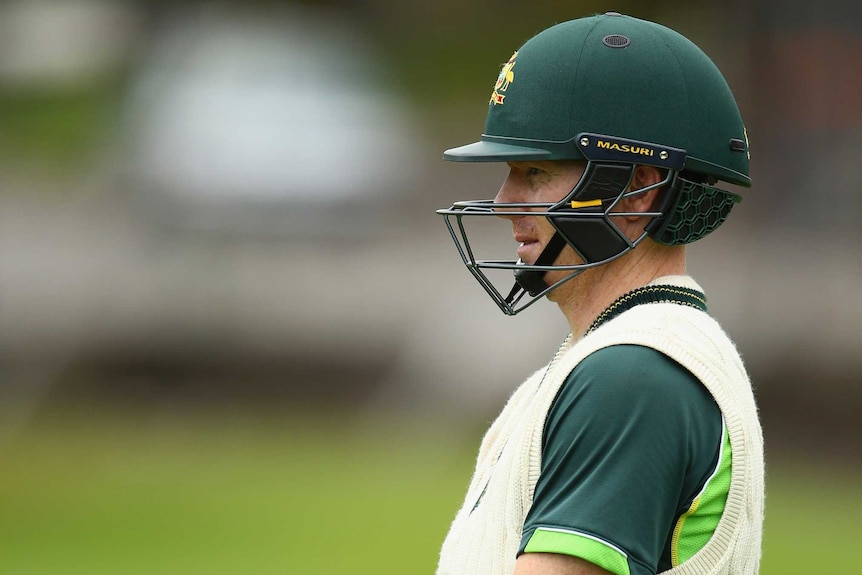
635,465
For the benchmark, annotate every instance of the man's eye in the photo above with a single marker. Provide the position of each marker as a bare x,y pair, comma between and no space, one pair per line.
532,172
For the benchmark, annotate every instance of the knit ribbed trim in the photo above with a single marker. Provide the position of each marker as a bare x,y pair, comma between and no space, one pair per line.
651,294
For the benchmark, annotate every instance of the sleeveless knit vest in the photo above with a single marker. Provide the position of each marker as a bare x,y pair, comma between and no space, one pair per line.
484,538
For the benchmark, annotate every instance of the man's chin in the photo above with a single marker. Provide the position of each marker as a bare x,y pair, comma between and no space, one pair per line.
564,290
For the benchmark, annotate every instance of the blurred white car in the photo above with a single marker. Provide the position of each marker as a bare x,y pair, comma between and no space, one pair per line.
277,121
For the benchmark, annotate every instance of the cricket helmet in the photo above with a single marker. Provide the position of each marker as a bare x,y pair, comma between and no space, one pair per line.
616,92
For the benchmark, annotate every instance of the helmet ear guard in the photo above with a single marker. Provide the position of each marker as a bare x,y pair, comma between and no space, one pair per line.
694,209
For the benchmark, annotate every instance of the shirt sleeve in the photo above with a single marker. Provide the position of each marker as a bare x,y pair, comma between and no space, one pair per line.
627,444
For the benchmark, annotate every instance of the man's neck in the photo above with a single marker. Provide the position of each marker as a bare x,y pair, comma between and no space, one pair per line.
594,290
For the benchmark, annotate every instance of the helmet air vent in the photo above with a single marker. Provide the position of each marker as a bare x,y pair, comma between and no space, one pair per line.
616,41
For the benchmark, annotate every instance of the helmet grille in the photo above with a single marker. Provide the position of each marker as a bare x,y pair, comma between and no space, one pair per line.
698,211
616,41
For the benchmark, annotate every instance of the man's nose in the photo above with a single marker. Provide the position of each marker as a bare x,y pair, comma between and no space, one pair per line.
509,193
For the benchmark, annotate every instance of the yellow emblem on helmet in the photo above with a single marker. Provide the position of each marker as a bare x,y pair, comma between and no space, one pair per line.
506,77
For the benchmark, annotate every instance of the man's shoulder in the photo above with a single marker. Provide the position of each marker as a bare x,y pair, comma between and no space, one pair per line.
626,361
623,355
632,376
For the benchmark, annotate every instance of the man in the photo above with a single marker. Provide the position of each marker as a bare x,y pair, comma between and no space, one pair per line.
638,449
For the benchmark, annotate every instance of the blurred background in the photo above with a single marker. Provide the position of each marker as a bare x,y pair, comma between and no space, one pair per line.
235,338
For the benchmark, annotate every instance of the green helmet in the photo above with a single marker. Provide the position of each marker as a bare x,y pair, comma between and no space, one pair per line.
616,92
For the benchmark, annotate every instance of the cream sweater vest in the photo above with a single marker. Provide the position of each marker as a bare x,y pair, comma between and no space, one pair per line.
484,539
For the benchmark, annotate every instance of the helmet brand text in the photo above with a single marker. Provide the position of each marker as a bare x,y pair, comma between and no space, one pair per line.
637,150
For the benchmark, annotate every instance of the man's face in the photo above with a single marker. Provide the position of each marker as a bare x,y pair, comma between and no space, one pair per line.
539,181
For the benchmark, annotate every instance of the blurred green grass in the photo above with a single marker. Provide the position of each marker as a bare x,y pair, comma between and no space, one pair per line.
195,495
324,495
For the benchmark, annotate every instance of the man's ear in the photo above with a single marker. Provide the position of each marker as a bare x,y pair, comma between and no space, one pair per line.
644,177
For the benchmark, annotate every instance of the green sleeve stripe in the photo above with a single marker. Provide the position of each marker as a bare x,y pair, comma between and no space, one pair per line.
696,526
587,547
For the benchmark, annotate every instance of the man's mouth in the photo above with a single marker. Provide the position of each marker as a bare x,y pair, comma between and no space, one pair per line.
529,251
